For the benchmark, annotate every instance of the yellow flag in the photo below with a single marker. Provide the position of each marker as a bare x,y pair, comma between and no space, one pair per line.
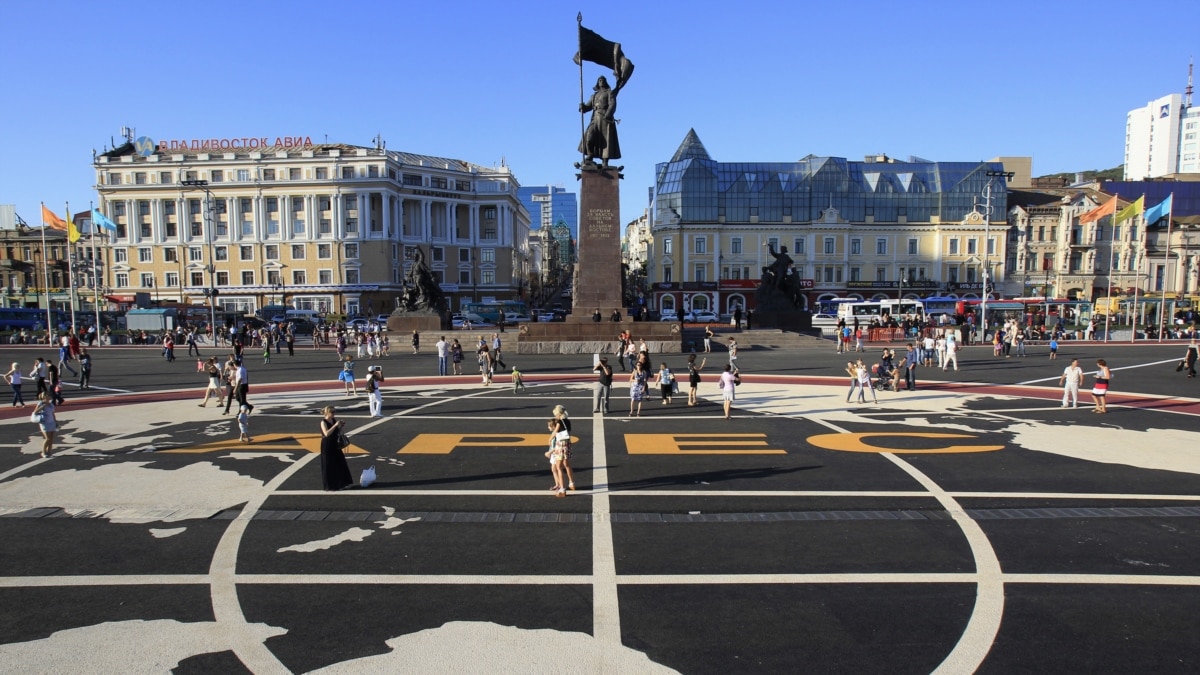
1134,209
72,230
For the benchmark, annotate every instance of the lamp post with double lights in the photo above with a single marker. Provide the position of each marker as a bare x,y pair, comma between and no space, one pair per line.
987,240
210,292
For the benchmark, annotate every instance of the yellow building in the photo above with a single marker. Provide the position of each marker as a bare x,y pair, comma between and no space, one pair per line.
325,227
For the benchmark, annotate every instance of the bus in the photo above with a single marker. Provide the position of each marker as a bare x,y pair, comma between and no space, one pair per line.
490,311
1033,312
17,318
938,305
831,305
871,309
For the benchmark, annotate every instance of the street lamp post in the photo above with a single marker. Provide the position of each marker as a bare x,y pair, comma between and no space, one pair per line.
987,240
212,267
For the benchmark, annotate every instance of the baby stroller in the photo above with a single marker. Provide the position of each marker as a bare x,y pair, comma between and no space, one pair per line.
884,379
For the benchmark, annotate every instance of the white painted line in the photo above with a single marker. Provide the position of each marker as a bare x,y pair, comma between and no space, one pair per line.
1087,372
606,608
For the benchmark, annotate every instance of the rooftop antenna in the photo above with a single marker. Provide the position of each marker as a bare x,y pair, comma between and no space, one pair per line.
128,133
1187,93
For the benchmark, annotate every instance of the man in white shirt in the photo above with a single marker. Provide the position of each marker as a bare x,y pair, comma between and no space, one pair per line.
951,353
443,353
1071,378
241,388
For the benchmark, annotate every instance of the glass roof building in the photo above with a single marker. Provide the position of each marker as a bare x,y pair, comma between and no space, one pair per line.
853,227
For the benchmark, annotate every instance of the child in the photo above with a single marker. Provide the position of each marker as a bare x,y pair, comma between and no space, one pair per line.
1053,348
243,419
556,454
517,382
347,376
266,351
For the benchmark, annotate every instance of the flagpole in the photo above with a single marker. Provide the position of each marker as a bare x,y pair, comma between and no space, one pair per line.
46,280
95,271
1166,272
71,264
579,46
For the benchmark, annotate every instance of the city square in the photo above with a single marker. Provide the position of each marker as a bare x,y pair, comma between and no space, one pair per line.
971,525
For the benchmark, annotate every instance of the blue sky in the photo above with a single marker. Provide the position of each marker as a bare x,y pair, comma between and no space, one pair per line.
493,81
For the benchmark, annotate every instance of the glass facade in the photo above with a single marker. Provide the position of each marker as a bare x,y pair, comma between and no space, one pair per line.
702,190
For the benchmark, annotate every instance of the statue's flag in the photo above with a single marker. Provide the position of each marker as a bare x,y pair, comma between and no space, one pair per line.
606,53
1109,208
100,220
52,221
1159,211
1130,211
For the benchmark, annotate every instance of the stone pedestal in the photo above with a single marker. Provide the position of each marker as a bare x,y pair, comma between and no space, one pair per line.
421,322
591,337
791,320
598,276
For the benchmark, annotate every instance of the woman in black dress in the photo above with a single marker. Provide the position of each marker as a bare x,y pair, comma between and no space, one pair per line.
335,472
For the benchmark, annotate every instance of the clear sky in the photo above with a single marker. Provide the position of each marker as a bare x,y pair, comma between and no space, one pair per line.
493,81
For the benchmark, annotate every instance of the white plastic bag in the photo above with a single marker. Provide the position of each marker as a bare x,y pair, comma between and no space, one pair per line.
368,476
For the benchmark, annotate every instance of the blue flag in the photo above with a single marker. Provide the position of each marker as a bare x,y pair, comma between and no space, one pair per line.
1159,211
101,221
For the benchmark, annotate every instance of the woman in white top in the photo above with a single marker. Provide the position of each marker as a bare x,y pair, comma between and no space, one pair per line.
729,380
864,382
44,414
13,377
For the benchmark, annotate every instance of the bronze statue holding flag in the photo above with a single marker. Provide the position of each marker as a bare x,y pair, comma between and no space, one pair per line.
600,136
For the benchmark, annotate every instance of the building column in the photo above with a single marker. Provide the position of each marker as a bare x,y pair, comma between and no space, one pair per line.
339,218
473,226
386,202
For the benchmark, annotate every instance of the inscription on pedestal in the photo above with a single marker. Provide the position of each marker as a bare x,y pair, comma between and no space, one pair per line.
598,282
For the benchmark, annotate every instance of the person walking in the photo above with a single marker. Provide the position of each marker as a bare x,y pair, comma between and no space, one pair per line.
852,371
443,355
556,455
13,378
486,365
416,342
728,384
43,414
496,357
347,376
456,356
290,339
85,369
639,383
1053,347
54,382
64,354
562,434
864,383
214,382
603,386
375,391
1189,359
243,419
38,374
191,343
951,353
1100,386
241,388
666,382
518,382
335,471
733,347
1070,381
708,336
694,378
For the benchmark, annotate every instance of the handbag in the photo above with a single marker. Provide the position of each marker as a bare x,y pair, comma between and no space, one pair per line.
562,435
367,477
343,441
36,418
1179,367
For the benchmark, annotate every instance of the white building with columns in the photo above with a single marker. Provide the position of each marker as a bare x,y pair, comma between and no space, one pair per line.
327,227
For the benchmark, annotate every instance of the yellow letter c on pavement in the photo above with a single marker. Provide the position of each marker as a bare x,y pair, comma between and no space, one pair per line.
857,443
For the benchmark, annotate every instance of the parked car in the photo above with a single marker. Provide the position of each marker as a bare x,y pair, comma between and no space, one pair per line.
700,316
668,315
545,316
382,319
357,324
513,317
460,321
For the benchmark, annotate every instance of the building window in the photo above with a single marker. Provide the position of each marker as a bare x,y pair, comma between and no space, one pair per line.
489,232
881,246
464,255
666,246
147,280
351,276
487,277
195,254
322,173
347,172
197,278
245,253
701,244
855,274
829,245
351,226
271,252
991,246
954,246
411,180
462,185
438,254
122,280
324,276
145,255
293,174
120,255
299,278
972,246
856,247
488,213
735,246
437,182
221,253
912,247
881,274
170,255
698,273
487,255
114,178
325,227
667,274
464,277
297,252
139,178
243,175
298,226
217,176
268,174
248,278
801,248
351,251
952,275
324,251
